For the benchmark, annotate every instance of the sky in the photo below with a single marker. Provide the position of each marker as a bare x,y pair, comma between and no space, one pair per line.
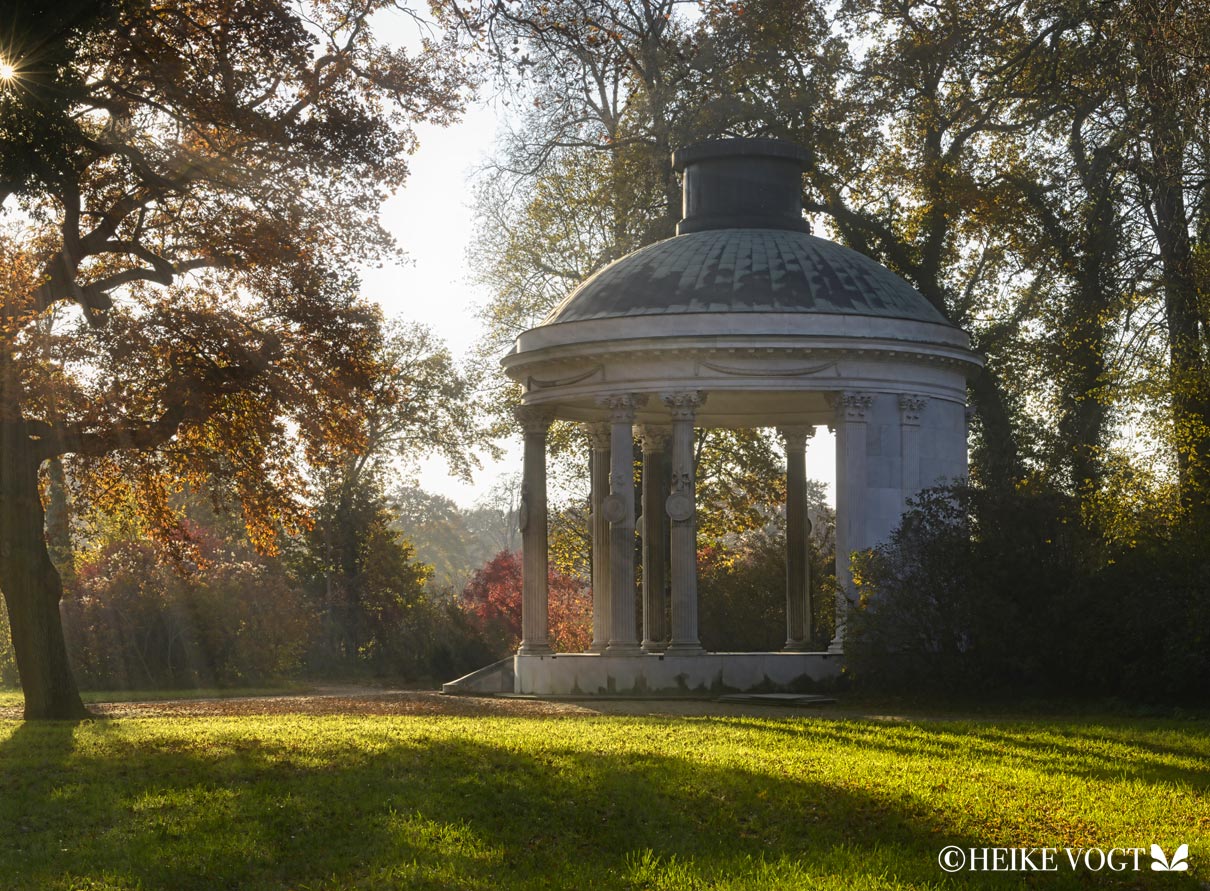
432,219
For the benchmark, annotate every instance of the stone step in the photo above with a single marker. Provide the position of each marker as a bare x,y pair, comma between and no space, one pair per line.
499,677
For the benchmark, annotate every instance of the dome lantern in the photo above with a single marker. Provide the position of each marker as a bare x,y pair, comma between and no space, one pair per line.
741,184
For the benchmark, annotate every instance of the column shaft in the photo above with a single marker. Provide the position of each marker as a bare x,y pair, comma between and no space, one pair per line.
619,509
535,421
600,538
851,482
682,510
798,531
655,553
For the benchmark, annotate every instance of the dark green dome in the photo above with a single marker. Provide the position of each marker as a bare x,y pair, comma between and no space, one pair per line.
745,271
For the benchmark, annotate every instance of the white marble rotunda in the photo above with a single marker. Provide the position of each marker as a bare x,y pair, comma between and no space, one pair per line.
743,319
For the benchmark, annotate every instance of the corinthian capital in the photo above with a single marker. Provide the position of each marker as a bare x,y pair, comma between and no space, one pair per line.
796,436
684,405
852,406
654,437
622,406
910,409
598,433
533,418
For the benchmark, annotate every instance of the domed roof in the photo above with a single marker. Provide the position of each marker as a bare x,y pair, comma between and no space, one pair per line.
744,270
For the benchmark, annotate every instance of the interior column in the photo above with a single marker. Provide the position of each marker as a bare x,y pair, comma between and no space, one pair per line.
682,510
798,531
531,518
600,435
619,510
851,413
655,552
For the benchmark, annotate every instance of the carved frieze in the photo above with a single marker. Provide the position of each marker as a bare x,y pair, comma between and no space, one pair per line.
739,371
533,383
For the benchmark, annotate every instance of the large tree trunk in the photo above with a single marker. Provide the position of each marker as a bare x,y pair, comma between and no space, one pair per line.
1188,377
997,462
31,585
1083,416
1171,122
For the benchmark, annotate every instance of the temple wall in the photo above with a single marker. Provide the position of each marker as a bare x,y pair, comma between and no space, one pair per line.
939,452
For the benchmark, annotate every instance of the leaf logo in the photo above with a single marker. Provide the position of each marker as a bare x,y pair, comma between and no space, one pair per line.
1178,863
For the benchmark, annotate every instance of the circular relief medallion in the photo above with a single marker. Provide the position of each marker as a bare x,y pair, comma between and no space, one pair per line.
679,506
614,508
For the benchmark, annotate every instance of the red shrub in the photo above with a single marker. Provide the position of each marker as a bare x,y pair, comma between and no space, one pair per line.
493,598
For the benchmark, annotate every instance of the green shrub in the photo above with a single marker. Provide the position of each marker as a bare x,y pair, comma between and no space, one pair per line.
742,591
979,592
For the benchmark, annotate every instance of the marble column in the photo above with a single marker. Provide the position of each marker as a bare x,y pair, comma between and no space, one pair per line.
798,532
682,510
619,510
852,410
600,434
531,518
655,551
910,409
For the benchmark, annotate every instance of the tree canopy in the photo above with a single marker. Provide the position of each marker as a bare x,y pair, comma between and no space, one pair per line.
189,192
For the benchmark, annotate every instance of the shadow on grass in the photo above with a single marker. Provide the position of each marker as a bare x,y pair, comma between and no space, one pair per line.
1096,752
107,807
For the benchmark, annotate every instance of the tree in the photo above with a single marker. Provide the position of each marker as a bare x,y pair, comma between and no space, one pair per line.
418,402
1063,178
1169,82
742,578
196,185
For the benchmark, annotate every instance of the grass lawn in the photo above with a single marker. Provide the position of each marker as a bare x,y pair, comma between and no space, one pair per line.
13,697
604,802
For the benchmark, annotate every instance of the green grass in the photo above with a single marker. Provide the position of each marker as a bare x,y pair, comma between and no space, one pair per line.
294,802
11,697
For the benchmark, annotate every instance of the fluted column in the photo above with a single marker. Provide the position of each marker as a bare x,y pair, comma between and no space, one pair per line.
851,478
531,518
798,532
910,409
655,625
682,510
619,509
600,434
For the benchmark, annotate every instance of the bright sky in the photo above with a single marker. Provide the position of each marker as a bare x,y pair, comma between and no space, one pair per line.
433,221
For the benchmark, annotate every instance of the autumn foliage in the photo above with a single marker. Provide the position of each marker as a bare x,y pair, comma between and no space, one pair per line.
134,619
493,599
199,186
